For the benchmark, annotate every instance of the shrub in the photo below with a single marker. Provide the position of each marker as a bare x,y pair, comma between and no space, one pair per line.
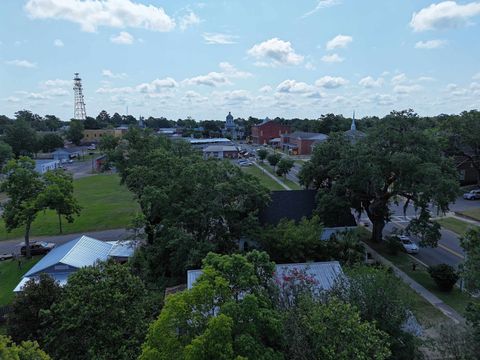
444,276
393,245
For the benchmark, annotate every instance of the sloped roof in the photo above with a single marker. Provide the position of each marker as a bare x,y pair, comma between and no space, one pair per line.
325,273
213,148
306,135
80,252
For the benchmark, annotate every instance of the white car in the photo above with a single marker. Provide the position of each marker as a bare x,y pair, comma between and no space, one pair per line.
472,195
408,245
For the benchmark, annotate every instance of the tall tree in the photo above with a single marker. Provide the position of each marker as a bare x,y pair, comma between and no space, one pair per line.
50,142
75,132
24,320
6,153
103,311
284,166
27,350
103,118
52,122
23,186
21,137
58,196
273,159
116,119
262,154
398,159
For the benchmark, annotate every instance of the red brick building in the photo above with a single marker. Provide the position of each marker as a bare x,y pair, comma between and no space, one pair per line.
301,143
268,130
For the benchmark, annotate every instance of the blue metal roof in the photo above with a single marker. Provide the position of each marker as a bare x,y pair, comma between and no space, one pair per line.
80,252
325,273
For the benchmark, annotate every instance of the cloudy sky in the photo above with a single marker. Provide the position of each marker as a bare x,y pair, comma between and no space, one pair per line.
270,58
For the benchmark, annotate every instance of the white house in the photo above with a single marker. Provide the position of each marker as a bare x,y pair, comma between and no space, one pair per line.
42,166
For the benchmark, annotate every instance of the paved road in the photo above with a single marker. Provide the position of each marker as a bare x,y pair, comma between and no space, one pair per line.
12,246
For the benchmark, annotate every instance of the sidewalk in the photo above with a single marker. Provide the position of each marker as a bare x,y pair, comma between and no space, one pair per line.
419,289
273,177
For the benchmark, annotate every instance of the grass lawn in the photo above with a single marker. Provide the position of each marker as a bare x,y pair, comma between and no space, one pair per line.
456,298
11,275
455,225
105,205
473,213
265,180
292,185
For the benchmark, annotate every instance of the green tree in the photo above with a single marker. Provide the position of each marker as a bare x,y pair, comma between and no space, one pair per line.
58,196
23,186
75,132
5,121
52,122
226,315
262,154
6,153
50,142
27,350
103,311
398,158
284,166
273,159
91,123
332,330
470,243
379,298
21,137
24,320
103,118
116,119
444,276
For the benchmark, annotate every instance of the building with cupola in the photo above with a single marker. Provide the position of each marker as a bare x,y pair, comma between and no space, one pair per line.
231,129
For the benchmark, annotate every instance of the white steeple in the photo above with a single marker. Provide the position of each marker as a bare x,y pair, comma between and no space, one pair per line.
353,127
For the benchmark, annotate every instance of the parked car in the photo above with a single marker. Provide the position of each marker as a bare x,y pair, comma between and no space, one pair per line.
38,248
472,195
408,245
245,163
92,147
5,257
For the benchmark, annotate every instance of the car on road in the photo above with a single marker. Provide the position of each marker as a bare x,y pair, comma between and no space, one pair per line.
408,245
472,195
92,147
245,163
37,248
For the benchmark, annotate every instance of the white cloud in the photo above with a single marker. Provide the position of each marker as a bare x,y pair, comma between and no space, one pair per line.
339,42
58,83
235,97
321,4
265,89
123,38
369,82
58,43
476,76
406,89
329,82
398,79
279,52
219,39
215,79
120,90
310,66
332,58
21,63
56,92
294,87
188,20
90,14
383,99
157,85
12,99
193,96
109,74
430,44
444,15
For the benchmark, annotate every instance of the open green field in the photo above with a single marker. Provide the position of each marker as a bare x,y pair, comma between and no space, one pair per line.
473,213
105,205
11,274
265,180
289,183
455,225
457,299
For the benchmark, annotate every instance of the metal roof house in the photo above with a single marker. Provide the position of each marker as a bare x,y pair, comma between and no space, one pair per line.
65,154
325,273
42,166
84,251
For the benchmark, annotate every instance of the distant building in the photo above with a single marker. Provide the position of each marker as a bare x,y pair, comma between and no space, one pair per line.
95,135
203,143
42,166
301,143
220,152
231,129
68,258
65,154
266,131
353,135
325,274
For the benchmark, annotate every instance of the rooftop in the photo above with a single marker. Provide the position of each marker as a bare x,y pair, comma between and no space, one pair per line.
306,136
214,148
209,141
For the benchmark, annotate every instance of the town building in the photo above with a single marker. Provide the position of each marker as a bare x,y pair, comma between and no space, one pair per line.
325,274
42,166
220,152
203,143
95,135
68,258
353,135
268,130
231,129
301,143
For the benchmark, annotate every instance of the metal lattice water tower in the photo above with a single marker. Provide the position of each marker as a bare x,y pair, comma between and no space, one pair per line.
79,112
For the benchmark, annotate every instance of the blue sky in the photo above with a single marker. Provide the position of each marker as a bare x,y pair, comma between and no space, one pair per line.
298,58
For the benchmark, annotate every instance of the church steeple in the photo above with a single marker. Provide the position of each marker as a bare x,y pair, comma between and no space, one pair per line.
353,127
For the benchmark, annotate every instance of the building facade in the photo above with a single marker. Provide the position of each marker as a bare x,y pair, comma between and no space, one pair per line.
301,143
95,135
268,130
220,152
